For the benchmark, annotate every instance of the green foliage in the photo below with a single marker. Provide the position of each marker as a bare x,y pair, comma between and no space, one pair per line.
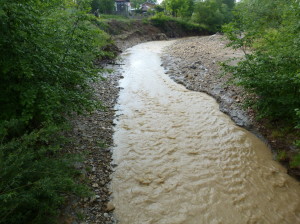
35,178
268,31
295,161
271,70
229,3
163,21
179,8
159,8
281,156
46,63
103,6
113,17
213,13
47,60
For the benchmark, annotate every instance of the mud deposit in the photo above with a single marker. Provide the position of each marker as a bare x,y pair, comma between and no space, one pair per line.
180,160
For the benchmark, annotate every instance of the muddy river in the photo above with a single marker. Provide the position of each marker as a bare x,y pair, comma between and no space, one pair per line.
180,160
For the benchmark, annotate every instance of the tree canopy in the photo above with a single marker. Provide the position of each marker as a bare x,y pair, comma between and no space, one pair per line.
104,6
210,13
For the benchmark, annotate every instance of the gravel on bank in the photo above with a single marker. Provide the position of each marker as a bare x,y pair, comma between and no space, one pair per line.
194,63
92,136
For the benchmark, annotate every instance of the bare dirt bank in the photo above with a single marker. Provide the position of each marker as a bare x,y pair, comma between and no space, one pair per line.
194,63
126,34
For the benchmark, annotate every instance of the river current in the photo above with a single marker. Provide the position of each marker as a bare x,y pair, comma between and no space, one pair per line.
180,160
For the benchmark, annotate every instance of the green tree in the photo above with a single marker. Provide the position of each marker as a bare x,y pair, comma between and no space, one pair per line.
272,70
179,8
229,3
159,8
47,50
103,6
212,13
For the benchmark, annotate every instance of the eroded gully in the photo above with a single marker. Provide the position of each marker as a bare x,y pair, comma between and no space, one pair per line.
180,160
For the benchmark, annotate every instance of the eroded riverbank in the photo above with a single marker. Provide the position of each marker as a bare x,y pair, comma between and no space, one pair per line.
194,63
180,160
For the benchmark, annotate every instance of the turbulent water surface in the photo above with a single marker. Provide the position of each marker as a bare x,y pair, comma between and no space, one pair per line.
180,160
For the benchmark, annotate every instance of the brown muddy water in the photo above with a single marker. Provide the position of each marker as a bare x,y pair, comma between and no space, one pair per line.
180,160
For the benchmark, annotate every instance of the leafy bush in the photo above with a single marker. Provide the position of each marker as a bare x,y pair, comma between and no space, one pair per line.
46,63
179,8
268,31
271,69
162,21
212,13
35,178
103,6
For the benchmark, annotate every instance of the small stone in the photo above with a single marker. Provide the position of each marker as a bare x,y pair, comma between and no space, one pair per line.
110,207
93,198
102,182
95,185
106,215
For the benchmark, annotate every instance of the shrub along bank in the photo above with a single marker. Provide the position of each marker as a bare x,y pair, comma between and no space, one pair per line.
270,71
46,63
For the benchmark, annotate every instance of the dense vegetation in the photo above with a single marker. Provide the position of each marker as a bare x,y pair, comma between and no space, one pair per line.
208,14
269,31
211,14
164,22
46,62
103,6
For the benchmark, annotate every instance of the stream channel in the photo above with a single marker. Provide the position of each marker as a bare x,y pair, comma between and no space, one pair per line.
180,160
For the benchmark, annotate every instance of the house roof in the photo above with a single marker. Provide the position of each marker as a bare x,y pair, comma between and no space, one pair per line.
147,5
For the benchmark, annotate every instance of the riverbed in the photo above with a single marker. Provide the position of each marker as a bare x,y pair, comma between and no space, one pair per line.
179,159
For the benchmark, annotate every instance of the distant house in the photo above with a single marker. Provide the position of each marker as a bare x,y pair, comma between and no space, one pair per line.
122,7
147,6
